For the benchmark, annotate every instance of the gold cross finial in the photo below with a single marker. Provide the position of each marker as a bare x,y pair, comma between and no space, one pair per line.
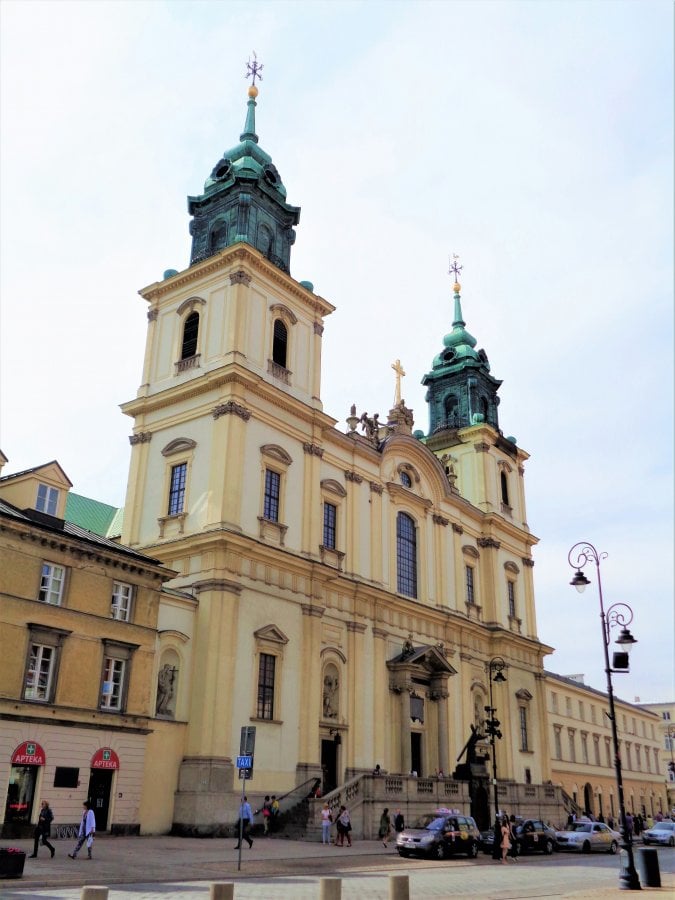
398,368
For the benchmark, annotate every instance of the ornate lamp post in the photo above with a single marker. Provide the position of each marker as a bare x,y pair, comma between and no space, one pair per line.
618,614
670,778
495,669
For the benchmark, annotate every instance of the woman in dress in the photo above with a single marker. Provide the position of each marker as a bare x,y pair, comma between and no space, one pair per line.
506,838
385,827
344,827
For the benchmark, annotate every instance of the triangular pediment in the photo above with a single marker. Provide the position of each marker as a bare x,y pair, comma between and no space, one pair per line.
427,657
271,633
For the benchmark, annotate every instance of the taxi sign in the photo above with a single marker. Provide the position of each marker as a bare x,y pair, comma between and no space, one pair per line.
244,762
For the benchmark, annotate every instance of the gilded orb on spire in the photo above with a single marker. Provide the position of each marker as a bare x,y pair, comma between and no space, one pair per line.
455,269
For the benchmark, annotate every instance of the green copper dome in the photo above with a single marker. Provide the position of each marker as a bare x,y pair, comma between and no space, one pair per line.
244,199
461,391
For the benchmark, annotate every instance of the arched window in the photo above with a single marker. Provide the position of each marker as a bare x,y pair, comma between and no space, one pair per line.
190,332
451,409
406,555
279,343
505,488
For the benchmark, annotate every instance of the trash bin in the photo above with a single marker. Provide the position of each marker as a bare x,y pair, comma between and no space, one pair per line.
12,861
648,860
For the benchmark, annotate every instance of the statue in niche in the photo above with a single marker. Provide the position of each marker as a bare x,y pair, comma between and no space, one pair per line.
165,687
330,696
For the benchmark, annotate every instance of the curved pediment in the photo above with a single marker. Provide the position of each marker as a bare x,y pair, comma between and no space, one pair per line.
179,445
408,454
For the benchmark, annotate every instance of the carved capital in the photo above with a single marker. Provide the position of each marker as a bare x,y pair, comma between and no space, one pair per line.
318,328
353,476
521,470
376,488
440,520
231,408
316,611
457,528
152,314
481,447
357,627
143,437
526,561
380,633
313,449
240,277
217,584
488,542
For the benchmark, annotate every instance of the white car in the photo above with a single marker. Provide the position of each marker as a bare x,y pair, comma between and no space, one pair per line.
588,836
661,833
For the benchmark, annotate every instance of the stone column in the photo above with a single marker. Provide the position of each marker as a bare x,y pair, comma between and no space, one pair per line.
310,700
406,753
440,695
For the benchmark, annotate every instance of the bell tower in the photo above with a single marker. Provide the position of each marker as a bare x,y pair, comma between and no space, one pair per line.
244,199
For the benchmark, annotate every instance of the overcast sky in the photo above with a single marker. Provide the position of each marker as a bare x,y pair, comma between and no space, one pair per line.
533,139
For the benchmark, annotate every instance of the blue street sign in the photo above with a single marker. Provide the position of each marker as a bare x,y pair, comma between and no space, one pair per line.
244,762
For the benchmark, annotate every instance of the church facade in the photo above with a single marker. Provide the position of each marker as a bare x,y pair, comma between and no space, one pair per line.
353,582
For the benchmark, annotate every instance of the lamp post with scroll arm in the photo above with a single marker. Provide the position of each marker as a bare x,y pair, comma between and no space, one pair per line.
495,670
620,614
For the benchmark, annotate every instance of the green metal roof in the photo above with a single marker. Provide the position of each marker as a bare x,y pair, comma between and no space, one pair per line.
92,514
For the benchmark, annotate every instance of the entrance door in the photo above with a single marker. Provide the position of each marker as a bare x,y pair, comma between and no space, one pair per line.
480,808
588,800
416,752
329,765
100,782
20,791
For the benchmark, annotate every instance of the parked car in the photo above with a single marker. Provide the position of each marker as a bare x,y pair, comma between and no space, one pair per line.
440,834
661,833
588,836
487,840
533,835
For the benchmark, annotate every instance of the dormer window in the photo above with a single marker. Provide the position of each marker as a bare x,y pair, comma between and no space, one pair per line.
47,499
280,343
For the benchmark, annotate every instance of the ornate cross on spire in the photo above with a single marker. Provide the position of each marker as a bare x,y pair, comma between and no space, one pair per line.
398,368
253,69
455,268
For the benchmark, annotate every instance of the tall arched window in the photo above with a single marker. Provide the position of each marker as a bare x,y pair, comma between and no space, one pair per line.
406,555
190,332
279,343
505,488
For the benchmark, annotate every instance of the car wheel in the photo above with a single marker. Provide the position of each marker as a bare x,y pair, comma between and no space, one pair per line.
402,853
586,848
473,850
548,848
613,847
439,851
671,842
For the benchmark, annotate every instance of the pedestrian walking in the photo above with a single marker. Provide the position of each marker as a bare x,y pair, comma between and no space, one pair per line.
513,852
43,830
385,827
399,821
86,832
267,814
505,841
344,827
275,810
326,822
245,818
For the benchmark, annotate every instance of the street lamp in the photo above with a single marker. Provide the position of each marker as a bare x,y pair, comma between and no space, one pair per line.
617,614
495,669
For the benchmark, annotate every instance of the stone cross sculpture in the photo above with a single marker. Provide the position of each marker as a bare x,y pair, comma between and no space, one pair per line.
400,372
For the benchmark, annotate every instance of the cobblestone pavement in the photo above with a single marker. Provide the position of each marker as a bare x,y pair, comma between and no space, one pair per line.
168,868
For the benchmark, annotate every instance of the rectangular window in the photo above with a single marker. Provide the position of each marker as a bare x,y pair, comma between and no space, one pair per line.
120,605
329,522
470,596
272,494
608,754
573,750
66,777
47,499
638,758
584,748
592,714
554,702
557,743
265,709
524,743
666,716
648,760
511,590
40,674
596,749
568,706
177,489
581,710
51,583
113,683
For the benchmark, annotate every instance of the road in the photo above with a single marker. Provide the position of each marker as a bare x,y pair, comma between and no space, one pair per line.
182,869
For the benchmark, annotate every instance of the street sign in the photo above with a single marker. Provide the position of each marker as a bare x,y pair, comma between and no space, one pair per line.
246,774
247,740
244,762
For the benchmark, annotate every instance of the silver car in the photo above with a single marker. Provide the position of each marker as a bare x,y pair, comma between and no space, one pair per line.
661,833
587,836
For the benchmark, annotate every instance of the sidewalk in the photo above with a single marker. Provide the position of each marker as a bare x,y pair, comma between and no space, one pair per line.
278,868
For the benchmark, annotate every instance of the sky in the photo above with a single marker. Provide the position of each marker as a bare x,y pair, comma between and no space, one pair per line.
534,140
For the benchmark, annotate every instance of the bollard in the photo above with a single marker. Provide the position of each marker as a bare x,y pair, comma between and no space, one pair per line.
648,860
94,892
222,890
330,888
398,887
